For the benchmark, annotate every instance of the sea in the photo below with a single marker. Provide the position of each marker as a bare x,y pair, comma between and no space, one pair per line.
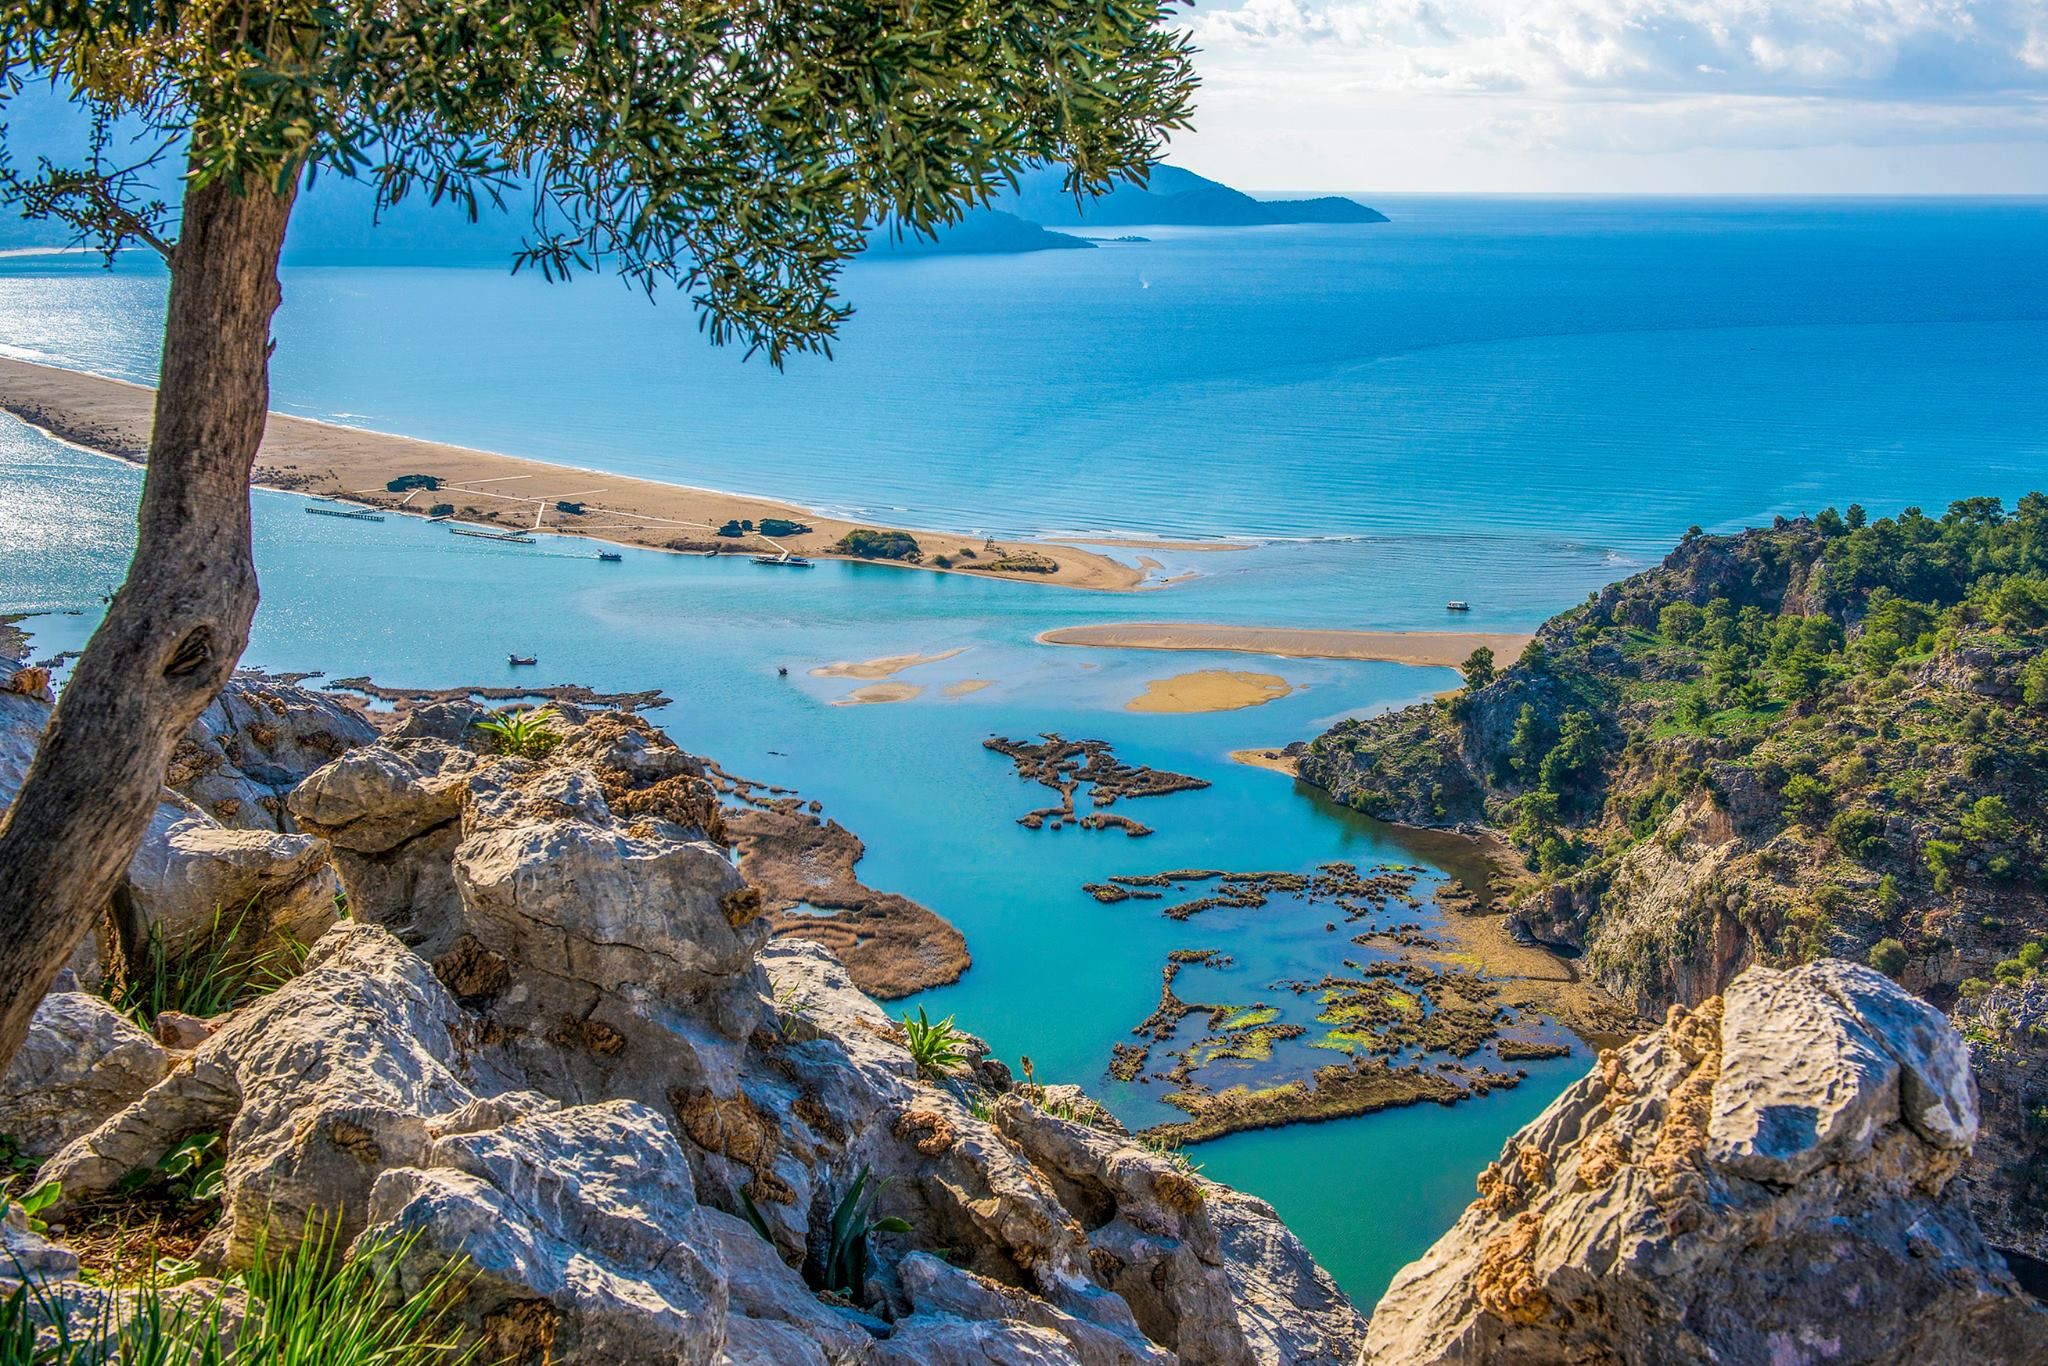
1509,401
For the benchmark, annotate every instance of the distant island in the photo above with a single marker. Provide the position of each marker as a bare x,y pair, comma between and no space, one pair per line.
1171,197
1023,219
981,232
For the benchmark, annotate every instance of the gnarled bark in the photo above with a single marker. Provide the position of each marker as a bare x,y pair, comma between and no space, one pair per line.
179,623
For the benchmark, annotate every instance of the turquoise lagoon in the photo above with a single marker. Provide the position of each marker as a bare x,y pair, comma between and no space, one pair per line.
1511,402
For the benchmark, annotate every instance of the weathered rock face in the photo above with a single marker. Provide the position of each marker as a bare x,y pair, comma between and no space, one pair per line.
1769,1178
564,1056
2008,1033
192,879
81,1062
317,1087
254,745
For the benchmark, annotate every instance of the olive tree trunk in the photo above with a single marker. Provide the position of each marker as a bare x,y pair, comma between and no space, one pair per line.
173,633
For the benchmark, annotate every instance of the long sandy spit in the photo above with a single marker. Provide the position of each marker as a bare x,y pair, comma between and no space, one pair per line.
500,492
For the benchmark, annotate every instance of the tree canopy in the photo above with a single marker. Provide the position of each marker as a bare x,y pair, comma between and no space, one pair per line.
739,148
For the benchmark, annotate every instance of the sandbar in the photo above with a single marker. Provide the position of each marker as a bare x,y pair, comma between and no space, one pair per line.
1278,760
963,686
879,692
1445,648
324,459
1210,690
885,667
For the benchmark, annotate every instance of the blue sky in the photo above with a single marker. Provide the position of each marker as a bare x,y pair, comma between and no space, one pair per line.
1662,96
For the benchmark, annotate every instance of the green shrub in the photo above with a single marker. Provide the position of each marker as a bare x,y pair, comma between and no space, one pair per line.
2024,964
1888,956
780,526
1806,798
1858,833
1478,669
1989,821
1944,861
406,483
869,544
306,1308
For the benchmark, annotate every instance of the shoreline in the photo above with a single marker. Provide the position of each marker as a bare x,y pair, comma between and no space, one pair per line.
1441,649
317,459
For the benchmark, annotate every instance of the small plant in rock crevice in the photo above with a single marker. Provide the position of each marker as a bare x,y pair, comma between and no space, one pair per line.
210,975
845,1269
522,734
937,1049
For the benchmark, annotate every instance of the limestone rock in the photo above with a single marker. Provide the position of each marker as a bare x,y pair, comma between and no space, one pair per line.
948,1340
193,878
1770,1178
317,1088
392,813
582,1235
82,1061
254,743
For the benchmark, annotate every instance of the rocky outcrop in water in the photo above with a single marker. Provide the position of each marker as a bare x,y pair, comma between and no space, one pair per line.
1772,1176
552,1042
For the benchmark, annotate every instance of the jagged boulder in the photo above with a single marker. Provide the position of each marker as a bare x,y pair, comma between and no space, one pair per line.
192,879
82,1061
392,813
253,745
317,1088
579,1233
1768,1178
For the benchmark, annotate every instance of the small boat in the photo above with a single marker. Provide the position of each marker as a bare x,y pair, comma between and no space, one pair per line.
353,514
523,659
785,559
1457,605
610,556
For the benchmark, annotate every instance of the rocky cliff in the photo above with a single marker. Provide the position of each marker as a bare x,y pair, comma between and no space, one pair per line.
1811,740
1771,1177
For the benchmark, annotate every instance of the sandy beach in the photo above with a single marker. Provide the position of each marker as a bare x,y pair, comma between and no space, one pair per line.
506,492
1210,690
1275,759
1447,648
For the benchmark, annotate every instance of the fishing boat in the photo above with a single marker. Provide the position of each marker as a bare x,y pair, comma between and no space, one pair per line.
352,514
523,659
509,537
1457,605
785,559
610,556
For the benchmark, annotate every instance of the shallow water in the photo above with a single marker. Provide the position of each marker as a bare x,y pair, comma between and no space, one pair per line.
1509,402
1057,976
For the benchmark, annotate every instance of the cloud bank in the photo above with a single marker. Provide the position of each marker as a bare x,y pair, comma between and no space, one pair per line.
1462,80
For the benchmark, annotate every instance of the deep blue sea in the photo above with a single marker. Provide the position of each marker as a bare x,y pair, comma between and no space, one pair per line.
1508,401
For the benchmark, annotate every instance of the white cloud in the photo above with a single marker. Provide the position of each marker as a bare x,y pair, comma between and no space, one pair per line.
1884,95
1906,49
